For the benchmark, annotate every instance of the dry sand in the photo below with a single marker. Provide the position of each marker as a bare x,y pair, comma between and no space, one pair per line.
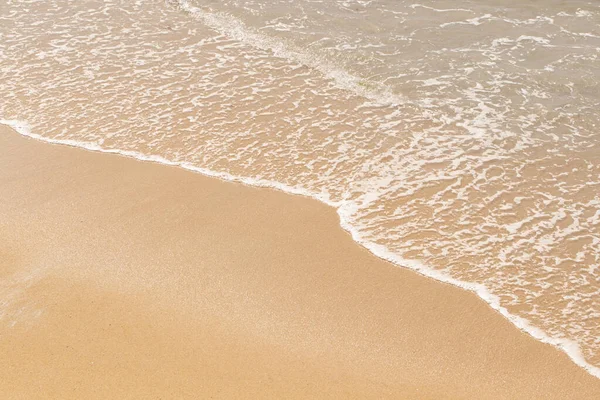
123,279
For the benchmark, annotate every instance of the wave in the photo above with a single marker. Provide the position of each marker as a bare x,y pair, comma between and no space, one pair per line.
571,348
232,27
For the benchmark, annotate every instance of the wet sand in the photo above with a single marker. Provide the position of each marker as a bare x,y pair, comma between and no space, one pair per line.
126,279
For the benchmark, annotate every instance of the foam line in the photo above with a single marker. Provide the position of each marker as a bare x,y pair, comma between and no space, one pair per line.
234,28
569,347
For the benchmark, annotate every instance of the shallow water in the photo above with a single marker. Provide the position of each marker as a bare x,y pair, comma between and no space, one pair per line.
462,141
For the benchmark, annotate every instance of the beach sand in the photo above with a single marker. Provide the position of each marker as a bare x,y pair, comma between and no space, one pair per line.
126,279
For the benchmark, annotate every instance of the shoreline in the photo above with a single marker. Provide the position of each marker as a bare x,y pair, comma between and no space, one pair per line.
362,324
570,348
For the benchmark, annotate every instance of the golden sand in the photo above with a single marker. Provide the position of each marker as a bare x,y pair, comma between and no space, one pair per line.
124,279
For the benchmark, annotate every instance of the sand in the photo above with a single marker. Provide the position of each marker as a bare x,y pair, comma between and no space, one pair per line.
127,279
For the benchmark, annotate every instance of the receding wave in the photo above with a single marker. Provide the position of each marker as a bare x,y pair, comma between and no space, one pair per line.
460,142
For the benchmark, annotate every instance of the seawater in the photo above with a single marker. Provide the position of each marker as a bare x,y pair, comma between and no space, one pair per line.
460,139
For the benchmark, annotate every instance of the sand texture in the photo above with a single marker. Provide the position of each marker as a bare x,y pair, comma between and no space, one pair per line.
125,279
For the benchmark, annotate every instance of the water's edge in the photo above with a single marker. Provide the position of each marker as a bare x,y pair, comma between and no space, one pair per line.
569,347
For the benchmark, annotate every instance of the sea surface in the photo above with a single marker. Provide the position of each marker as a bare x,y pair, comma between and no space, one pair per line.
457,138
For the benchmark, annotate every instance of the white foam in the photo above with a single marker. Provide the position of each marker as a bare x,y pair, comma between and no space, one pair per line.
472,21
234,28
441,10
344,210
